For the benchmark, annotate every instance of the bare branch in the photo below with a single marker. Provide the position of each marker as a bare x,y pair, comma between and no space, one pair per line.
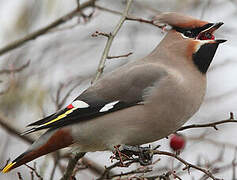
34,170
109,42
33,35
19,176
107,172
32,175
124,55
213,125
128,17
145,21
130,161
187,164
136,171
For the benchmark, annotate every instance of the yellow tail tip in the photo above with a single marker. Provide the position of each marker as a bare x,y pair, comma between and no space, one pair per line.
8,167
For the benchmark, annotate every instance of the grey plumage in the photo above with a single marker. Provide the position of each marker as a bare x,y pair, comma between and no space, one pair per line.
175,91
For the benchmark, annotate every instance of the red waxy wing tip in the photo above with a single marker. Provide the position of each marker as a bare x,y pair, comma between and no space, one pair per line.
70,106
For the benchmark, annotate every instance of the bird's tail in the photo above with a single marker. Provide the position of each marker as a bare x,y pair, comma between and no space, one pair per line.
50,141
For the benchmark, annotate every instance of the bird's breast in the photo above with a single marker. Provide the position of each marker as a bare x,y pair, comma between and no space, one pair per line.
175,99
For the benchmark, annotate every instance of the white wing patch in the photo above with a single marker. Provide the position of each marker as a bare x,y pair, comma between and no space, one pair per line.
80,104
108,106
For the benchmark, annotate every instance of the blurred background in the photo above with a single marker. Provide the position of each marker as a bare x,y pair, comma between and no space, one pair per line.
48,72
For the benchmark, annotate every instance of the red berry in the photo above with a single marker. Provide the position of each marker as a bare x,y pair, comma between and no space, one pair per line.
177,142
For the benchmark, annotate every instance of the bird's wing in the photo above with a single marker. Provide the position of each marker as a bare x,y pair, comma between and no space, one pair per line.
114,92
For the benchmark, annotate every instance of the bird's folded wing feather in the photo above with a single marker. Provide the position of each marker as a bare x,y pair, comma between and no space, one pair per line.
110,94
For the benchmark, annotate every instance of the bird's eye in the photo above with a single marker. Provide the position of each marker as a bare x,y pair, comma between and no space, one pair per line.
188,34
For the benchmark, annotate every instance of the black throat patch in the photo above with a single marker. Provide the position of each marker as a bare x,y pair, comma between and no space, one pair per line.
203,57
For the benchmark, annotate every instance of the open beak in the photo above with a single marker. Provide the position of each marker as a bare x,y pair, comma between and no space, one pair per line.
207,34
219,41
214,27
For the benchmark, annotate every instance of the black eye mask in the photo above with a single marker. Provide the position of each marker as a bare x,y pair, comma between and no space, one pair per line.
192,33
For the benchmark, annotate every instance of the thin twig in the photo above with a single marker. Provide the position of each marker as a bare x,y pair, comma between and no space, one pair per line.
109,42
187,164
19,176
107,172
144,21
136,171
39,32
34,170
120,56
32,175
213,125
129,17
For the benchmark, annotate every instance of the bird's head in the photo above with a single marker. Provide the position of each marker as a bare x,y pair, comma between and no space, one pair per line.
187,25
191,36
202,48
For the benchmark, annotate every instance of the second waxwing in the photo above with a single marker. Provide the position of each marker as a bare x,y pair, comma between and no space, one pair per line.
139,102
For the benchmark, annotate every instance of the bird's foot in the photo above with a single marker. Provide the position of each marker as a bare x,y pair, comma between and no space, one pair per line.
144,153
126,152
118,154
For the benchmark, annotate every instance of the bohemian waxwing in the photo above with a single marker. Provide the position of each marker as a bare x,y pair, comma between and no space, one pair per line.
140,102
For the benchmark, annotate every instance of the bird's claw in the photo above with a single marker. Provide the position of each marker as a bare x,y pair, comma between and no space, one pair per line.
144,154
118,154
